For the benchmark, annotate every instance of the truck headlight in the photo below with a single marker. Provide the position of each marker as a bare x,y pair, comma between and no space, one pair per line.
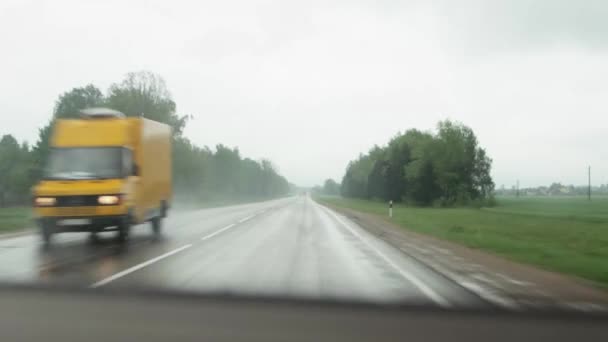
45,201
108,199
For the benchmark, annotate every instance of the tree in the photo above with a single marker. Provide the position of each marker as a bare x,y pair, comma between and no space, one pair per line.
422,178
224,170
9,150
331,187
447,168
69,104
190,167
419,169
145,94
376,183
354,183
482,180
40,151
398,155
454,160
377,180
14,171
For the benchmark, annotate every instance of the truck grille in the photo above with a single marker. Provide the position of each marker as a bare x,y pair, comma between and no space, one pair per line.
77,201
75,211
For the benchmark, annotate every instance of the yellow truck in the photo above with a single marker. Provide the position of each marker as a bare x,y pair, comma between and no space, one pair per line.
105,172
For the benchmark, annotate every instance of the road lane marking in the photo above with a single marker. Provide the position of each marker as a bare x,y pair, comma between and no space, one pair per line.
227,227
138,267
160,257
419,284
489,294
246,218
217,232
514,281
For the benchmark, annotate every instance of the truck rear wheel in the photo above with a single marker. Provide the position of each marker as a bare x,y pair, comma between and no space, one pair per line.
164,208
93,238
156,225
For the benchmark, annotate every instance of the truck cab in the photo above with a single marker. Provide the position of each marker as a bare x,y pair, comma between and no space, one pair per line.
105,172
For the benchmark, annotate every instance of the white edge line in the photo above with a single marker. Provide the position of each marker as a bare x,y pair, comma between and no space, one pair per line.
424,288
138,267
489,295
217,232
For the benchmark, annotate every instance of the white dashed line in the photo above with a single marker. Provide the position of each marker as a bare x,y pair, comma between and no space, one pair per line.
138,267
160,257
217,232
246,218
228,227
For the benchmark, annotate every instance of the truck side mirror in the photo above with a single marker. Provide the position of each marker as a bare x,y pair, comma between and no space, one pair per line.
135,170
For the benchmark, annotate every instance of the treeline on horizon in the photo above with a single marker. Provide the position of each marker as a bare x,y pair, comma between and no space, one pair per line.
199,173
420,168
555,189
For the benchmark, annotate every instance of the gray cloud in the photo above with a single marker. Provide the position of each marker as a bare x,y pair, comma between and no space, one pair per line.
515,24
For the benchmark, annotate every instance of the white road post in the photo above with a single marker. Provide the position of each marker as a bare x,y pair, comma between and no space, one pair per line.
390,209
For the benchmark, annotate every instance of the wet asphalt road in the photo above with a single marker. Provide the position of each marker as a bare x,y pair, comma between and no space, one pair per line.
286,247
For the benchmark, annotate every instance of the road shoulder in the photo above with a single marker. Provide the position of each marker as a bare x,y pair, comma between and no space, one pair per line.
496,279
17,233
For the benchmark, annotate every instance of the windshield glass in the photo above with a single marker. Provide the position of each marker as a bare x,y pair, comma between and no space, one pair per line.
85,163
448,153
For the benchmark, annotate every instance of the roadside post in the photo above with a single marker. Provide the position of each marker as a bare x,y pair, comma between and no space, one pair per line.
390,209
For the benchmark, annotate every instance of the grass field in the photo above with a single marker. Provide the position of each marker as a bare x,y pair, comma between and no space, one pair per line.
15,218
565,234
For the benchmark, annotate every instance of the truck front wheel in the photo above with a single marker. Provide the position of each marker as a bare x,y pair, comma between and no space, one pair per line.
46,231
123,230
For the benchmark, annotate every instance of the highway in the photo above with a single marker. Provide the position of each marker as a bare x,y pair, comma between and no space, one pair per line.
288,247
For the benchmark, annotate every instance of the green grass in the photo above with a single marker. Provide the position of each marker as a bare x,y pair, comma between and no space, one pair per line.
572,208
15,218
568,235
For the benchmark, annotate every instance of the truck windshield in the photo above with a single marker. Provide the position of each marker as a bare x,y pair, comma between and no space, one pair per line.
85,163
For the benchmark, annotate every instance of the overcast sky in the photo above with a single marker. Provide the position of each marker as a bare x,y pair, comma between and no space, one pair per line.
312,84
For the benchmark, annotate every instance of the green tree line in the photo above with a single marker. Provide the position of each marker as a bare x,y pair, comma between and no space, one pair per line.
421,168
330,187
200,173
